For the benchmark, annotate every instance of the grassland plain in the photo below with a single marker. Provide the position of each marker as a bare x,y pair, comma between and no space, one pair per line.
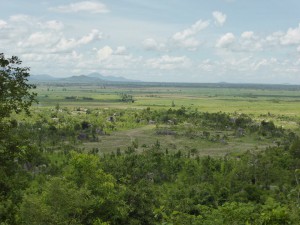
146,137
279,103
283,100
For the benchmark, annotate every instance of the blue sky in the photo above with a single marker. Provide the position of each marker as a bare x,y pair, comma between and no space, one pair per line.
158,40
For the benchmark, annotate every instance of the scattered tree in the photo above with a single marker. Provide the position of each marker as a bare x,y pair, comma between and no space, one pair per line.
15,92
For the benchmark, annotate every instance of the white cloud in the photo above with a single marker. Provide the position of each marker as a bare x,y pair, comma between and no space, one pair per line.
248,35
121,50
152,44
107,53
92,36
45,40
250,69
274,38
292,36
226,40
84,6
38,39
167,62
104,53
219,17
67,44
190,43
260,63
194,29
3,24
53,25
41,42
249,42
20,18
207,65
186,38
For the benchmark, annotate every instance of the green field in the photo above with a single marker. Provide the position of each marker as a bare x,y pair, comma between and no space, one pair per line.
277,103
280,101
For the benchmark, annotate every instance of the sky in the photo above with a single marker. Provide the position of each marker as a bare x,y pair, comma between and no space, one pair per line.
236,41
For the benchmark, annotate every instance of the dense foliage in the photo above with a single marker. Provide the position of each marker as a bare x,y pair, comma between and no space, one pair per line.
15,94
15,148
64,184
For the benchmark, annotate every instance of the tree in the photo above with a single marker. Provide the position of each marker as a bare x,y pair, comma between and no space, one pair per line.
127,98
15,149
85,171
58,201
15,92
15,96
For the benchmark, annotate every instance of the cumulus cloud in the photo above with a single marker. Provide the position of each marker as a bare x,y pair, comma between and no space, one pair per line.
167,62
3,24
226,40
249,42
248,35
243,68
152,44
104,53
183,39
47,41
41,42
292,36
219,17
274,38
67,44
92,36
19,27
84,6
38,39
194,29
189,43
107,52
186,38
112,59
20,18
53,25
121,50
206,65
260,63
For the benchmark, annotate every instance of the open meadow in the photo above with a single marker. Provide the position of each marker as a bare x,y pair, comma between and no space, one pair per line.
95,104
250,99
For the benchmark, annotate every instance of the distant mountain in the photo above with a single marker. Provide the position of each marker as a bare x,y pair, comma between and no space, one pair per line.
111,78
81,79
90,78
